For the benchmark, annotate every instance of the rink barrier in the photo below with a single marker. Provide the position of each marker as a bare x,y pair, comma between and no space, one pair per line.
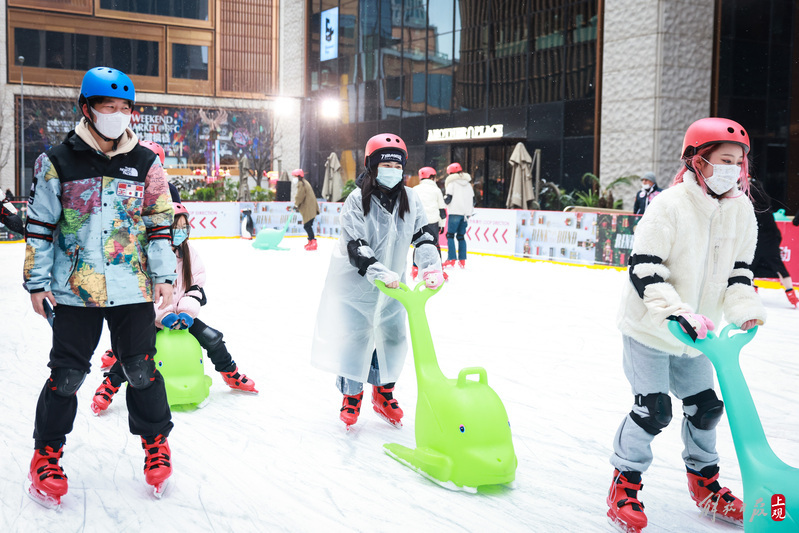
568,238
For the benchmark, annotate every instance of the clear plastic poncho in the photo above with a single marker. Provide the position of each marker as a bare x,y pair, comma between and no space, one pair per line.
354,317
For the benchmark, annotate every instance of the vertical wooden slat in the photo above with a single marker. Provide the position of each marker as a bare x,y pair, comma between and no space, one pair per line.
247,32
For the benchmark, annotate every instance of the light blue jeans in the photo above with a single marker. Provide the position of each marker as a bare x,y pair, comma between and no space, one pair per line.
350,387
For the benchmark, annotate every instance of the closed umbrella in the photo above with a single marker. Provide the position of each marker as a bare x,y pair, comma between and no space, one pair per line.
521,178
331,189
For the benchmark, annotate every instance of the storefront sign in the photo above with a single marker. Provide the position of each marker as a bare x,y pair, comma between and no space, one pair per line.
328,45
468,133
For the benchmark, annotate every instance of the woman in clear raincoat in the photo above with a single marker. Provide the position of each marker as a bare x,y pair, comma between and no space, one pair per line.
360,332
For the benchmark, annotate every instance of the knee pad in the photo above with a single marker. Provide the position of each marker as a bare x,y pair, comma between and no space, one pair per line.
708,409
66,381
450,235
140,371
461,237
208,337
659,407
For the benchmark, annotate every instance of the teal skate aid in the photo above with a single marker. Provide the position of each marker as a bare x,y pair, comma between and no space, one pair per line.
269,238
771,487
463,437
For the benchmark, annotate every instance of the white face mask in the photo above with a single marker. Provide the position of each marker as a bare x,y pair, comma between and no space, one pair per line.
724,177
111,125
389,177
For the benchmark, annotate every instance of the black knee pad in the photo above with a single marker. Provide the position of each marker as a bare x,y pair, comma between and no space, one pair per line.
461,237
66,381
208,337
659,407
708,409
140,371
450,235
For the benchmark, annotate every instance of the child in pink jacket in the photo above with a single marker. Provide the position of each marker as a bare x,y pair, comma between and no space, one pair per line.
187,298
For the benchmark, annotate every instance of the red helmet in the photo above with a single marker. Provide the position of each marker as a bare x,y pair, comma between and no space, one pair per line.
180,209
453,168
298,172
155,147
383,141
713,130
427,172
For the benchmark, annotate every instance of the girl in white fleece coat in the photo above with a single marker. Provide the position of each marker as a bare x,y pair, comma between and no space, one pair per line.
691,263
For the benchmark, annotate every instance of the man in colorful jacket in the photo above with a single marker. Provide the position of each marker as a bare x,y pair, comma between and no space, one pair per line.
98,248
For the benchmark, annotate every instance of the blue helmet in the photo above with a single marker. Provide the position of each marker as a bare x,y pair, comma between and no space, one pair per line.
108,82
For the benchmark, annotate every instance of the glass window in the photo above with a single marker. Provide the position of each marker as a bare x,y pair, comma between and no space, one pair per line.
187,9
441,18
75,51
189,62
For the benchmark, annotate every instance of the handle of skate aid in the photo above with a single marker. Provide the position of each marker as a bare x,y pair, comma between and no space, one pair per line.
713,344
405,294
471,371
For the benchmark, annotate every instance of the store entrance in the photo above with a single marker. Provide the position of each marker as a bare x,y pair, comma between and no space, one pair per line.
488,165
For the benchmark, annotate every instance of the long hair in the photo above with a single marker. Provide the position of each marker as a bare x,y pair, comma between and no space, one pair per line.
183,252
370,185
690,163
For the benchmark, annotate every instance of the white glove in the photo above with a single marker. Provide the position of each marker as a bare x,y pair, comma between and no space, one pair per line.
433,277
378,271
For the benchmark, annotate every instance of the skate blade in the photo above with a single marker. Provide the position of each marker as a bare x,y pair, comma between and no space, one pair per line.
714,517
622,526
45,500
397,424
160,488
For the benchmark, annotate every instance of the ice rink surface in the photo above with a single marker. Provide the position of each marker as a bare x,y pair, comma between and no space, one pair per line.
282,461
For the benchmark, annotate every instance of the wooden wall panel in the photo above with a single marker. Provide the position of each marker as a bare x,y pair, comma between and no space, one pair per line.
66,6
247,37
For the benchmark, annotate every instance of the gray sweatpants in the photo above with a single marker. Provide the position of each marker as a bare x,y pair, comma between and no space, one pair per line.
651,371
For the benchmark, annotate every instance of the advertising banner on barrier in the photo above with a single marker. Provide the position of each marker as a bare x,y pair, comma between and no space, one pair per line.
615,239
213,219
556,236
491,231
789,248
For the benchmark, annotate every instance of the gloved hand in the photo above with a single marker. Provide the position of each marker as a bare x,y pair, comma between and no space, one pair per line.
171,321
295,209
378,271
695,325
749,324
441,230
185,321
433,278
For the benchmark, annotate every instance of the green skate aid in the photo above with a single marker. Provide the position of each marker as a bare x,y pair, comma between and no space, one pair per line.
463,437
179,359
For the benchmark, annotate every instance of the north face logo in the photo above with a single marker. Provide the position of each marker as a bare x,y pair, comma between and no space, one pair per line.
128,171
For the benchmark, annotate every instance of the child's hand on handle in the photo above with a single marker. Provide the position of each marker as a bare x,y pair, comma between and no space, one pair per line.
694,324
749,324
433,278
185,321
171,321
378,271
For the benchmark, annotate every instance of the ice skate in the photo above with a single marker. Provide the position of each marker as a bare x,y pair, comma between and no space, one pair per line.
449,263
237,381
48,480
714,501
625,511
311,245
386,406
350,409
107,360
462,263
157,463
104,396
414,272
791,294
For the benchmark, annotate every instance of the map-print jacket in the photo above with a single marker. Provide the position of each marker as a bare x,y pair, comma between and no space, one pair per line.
98,228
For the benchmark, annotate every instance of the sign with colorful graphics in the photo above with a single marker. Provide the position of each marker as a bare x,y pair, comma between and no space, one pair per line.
556,236
615,238
491,231
328,35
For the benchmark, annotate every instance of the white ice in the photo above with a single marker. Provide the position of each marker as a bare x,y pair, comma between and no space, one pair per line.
282,461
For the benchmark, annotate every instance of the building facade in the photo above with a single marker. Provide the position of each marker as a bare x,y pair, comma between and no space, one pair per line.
606,87
206,75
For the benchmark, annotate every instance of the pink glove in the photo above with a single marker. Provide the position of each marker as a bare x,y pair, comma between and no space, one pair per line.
700,324
433,279
749,324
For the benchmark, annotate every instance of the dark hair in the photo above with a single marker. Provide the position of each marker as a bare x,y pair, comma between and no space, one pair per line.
185,254
368,188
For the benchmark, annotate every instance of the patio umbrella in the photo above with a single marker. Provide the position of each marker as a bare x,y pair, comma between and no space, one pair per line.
521,178
331,188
